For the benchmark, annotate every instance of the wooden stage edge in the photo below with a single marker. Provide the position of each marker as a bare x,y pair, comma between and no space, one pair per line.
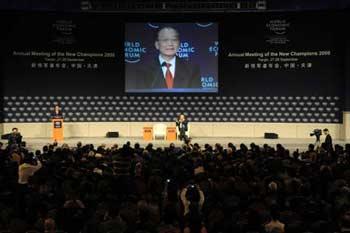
289,143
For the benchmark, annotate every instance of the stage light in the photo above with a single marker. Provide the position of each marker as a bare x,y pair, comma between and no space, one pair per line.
85,5
261,5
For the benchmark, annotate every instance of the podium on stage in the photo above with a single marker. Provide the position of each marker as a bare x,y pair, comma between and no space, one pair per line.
57,129
171,133
147,133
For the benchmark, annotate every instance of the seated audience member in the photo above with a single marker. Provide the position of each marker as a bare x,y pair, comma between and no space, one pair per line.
255,189
16,155
344,223
274,225
72,214
112,221
50,225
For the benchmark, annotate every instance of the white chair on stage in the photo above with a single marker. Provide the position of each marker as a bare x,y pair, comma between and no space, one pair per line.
187,133
159,130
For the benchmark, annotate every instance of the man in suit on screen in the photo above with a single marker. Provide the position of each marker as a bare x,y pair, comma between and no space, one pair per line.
167,71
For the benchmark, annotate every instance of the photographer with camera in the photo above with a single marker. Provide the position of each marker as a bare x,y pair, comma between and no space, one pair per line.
317,133
192,198
14,138
191,194
26,170
30,165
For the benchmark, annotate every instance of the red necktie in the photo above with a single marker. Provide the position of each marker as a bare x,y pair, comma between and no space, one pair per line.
168,77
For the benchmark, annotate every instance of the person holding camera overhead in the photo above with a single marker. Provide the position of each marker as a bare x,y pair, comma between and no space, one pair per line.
192,198
191,194
30,165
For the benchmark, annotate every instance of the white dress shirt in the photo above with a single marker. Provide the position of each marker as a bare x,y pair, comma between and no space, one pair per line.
26,170
171,68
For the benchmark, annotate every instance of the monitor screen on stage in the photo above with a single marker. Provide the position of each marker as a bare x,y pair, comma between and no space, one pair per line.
171,57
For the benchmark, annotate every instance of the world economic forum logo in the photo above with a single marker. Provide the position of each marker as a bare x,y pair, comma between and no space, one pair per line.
214,48
153,25
133,51
204,25
209,82
278,26
185,50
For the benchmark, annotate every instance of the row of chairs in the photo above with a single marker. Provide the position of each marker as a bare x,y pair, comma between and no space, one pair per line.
159,131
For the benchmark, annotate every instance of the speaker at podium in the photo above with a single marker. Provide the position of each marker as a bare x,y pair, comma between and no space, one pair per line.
57,124
57,129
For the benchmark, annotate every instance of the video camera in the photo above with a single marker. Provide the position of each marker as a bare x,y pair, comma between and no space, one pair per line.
316,132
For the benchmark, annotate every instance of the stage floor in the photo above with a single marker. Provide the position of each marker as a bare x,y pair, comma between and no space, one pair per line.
289,143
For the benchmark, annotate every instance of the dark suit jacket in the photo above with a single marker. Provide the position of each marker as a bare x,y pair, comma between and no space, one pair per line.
14,138
184,125
329,143
151,76
56,115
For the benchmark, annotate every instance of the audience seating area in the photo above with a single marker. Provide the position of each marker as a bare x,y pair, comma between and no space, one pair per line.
214,189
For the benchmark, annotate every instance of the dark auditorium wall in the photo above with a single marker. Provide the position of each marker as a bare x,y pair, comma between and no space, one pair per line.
305,88
347,69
